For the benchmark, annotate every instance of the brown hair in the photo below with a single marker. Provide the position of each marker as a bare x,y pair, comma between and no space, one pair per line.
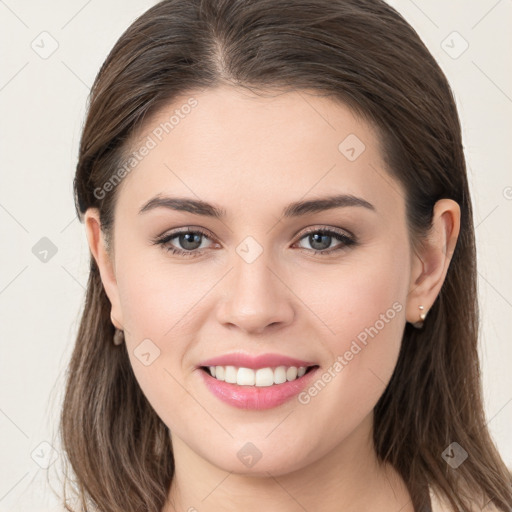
364,54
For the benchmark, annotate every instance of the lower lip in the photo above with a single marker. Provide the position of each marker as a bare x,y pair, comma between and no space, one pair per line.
256,397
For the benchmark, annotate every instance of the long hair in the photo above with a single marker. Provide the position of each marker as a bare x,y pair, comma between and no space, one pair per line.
365,55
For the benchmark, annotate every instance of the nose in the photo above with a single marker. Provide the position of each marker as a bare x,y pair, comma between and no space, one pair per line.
256,298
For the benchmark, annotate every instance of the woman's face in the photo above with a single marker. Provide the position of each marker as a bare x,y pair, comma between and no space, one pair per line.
251,283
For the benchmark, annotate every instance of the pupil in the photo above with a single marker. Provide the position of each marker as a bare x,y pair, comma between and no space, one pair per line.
190,238
314,241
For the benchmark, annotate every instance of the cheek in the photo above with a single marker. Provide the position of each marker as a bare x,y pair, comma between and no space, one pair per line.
161,325
158,298
365,313
369,304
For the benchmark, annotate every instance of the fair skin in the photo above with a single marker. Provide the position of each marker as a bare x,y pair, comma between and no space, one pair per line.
252,156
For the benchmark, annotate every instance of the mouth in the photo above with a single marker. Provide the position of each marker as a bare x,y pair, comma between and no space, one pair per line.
261,377
259,388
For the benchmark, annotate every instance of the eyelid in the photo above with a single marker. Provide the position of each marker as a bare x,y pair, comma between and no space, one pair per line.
319,227
184,229
208,234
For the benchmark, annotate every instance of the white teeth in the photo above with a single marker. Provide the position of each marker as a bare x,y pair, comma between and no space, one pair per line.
262,377
219,372
245,377
230,375
279,375
291,373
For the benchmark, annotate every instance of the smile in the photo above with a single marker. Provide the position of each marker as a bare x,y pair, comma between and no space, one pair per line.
268,389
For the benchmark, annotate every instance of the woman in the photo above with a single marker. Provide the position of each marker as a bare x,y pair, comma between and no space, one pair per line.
281,310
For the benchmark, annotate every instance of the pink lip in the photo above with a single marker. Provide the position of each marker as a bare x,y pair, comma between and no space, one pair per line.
255,362
255,397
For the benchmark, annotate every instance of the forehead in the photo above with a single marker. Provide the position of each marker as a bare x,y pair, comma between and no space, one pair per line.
230,146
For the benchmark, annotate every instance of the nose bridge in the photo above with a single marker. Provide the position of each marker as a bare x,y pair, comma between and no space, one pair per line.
255,297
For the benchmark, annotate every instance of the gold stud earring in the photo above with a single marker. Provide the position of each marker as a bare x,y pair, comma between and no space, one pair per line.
118,337
423,315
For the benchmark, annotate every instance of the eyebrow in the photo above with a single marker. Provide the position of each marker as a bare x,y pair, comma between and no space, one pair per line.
295,209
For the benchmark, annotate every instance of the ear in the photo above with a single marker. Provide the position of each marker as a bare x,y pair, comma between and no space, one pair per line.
98,247
431,261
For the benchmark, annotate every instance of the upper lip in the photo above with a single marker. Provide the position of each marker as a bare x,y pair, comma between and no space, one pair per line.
255,362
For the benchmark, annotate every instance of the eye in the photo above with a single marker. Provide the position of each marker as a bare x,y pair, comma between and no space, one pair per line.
321,239
191,240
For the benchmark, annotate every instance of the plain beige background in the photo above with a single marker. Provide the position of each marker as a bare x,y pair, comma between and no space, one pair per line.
51,54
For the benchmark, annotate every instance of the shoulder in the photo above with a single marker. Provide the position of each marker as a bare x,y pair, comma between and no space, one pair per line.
440,504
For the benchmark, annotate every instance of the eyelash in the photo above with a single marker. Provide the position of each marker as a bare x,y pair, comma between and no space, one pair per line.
165,239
